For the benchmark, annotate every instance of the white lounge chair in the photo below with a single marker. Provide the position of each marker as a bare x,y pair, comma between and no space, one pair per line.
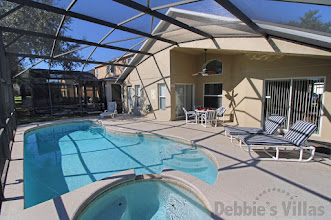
221,112
293,139
111,110
270,127
189,115
210,116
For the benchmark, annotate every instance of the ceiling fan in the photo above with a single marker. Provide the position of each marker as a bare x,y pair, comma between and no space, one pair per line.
205,71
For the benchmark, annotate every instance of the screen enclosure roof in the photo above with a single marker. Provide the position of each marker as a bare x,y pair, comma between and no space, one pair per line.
47,33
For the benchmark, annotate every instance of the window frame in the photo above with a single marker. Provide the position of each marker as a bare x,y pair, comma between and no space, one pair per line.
110,69
137,98
204,91
159,95
129,97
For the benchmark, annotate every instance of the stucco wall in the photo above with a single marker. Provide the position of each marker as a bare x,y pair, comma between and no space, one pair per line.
243,80
244,72
255,68
152,72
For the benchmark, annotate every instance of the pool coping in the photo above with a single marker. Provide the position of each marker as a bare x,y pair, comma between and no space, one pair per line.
72,202
175,181
16,165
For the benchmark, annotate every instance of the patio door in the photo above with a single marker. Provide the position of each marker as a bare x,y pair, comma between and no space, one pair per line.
184,98
295,99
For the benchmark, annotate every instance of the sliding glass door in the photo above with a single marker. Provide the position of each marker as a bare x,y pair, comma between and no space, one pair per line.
184,98
295,99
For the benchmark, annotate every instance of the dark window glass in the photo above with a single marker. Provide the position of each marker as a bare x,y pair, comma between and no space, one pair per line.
212,102
213,89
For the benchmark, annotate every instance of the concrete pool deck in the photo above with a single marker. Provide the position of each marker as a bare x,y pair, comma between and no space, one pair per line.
271,188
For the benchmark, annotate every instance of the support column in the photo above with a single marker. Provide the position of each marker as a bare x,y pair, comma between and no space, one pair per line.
85,96
79,90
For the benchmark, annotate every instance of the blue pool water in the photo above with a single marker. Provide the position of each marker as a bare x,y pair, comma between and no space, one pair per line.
146,200
62,158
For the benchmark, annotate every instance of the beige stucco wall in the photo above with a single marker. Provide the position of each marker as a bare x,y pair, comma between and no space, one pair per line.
183,65
254,69
244,73
152,72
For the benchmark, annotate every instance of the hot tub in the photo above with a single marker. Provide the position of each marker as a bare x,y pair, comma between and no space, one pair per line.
146,199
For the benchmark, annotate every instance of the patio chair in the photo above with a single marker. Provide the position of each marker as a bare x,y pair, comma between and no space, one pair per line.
293,139
189,115
111,110
221,112
269,127
210,116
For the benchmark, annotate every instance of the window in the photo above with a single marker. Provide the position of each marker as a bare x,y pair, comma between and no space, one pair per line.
212,95
110,69
214,65
162,96
137,90
128,60
130,96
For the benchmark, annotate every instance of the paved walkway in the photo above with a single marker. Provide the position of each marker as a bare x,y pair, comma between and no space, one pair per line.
244,187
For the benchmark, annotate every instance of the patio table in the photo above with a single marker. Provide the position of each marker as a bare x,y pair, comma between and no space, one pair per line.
201,112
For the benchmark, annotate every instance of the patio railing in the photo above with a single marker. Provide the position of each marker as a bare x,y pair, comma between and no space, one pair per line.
7,134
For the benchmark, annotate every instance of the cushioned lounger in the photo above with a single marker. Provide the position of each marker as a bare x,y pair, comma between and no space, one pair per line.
270,127
293,139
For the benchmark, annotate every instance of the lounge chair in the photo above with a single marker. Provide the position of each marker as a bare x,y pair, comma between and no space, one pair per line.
221,112
189,115
269,127
111,110
210,116
293,139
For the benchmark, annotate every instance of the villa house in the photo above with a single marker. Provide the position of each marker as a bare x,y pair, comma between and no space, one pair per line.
258,78
108,74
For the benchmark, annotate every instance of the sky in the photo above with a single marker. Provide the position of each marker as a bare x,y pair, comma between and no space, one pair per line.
265,10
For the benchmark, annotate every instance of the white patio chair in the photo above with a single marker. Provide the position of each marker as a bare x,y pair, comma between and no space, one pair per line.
111,110
293,139
189,115
210,116
221,112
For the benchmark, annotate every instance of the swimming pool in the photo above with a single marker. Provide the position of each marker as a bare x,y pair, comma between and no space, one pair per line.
61,158
151,199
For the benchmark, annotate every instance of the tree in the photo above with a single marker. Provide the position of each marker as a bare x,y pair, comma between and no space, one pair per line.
312,21
36,20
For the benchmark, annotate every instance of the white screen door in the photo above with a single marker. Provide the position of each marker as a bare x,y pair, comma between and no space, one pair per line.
295,99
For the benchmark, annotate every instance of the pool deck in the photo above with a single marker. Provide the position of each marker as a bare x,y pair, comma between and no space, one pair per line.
270,187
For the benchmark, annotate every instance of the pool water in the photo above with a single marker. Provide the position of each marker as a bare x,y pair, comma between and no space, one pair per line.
61,158
146,200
